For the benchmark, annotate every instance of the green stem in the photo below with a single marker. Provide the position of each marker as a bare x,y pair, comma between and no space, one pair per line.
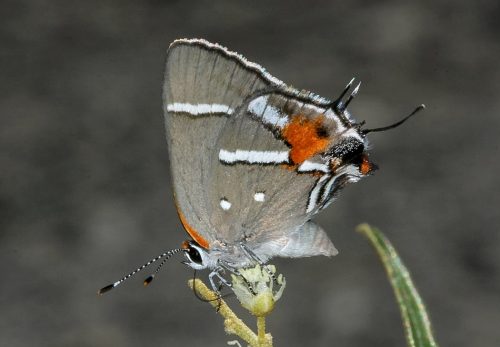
232,323
261,331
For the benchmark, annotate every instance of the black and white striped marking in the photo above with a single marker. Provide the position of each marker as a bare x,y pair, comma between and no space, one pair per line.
114,285
321,192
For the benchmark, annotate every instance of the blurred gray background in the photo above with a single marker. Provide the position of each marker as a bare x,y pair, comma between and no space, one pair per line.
85,190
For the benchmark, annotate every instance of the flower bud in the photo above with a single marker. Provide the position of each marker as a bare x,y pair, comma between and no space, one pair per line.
255,290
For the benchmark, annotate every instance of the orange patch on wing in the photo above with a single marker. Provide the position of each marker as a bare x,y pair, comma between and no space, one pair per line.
191,231
305,137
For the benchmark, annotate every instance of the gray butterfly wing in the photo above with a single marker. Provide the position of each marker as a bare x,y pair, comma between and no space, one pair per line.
272,175
305,241
204,84
238,170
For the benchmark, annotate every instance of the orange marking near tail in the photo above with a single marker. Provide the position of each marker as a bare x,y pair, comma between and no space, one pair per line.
306,137
191,231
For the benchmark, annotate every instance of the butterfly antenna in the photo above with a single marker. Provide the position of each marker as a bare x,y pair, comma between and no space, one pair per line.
338,101
117,283
395,125
151,277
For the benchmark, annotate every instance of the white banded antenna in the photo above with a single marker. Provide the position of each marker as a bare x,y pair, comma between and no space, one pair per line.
165,255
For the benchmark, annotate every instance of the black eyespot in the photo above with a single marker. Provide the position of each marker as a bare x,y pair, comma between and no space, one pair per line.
194,255
348,150
322,132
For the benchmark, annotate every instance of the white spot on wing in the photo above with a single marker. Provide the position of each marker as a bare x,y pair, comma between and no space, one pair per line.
258,105
259,196
196,109
225,204
270,114
312,166
253,157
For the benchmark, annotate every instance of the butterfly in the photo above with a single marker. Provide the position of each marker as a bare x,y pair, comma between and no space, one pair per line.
253,160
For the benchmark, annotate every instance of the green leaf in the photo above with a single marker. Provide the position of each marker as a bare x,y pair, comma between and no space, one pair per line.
416,321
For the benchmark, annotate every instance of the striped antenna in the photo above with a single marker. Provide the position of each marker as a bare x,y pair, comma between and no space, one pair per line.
152,276
165,255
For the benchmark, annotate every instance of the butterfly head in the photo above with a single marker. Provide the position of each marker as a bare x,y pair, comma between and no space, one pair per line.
197,257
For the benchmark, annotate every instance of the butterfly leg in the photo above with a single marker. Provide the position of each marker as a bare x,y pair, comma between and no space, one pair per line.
218,289
216,273
236,272
252,256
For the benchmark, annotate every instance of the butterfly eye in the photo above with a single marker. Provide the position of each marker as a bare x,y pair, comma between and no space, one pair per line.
198,258
194,255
